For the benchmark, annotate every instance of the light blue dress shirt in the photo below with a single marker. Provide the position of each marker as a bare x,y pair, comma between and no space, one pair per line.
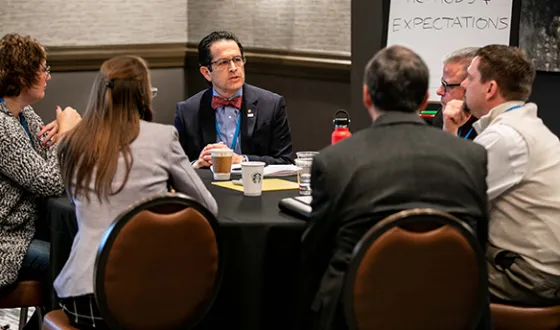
227,118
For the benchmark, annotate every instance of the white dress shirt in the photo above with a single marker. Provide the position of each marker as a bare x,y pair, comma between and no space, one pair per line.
508,156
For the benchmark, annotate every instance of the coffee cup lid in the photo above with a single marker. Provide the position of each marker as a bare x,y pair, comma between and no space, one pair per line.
221,152
253,164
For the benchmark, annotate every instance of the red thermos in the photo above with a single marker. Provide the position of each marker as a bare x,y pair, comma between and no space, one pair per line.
341,121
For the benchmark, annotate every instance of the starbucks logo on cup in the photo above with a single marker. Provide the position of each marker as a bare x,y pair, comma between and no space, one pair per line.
257,178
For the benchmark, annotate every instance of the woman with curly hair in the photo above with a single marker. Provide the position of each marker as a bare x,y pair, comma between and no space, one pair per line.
28,165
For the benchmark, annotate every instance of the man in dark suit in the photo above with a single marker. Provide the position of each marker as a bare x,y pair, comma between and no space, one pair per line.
398,163
232,114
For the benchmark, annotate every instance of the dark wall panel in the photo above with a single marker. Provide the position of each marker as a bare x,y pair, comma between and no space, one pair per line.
367,39
73,89
546,96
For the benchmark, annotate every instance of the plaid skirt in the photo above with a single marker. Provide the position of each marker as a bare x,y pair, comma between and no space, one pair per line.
83,313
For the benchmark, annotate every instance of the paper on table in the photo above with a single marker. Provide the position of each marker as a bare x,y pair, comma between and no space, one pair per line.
280,170
269,170
267,185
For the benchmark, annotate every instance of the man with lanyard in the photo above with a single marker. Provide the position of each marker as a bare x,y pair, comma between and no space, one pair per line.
523,255
454,72
232,114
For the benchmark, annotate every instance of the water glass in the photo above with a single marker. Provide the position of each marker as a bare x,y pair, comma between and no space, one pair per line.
306,154
304,175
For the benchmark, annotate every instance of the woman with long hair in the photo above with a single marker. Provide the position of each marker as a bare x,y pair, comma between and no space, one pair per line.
112,158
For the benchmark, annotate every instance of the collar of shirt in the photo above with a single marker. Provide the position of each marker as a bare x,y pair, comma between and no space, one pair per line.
4,108
485,121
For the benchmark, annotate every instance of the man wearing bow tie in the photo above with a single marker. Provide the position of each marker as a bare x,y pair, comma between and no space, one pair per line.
232,114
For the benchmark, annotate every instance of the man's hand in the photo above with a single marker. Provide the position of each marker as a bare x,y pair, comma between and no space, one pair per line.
205,157
237,159
454,116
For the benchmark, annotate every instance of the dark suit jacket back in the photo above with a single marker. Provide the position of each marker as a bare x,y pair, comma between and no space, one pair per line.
265,131
398,163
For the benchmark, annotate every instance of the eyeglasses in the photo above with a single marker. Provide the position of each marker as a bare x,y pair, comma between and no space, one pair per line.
46,69
222,64
447,86
154,92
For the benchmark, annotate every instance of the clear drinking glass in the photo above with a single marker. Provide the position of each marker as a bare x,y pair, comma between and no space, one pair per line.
304,175
306,154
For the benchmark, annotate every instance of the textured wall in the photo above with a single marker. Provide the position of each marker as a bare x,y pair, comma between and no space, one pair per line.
308,25
96,22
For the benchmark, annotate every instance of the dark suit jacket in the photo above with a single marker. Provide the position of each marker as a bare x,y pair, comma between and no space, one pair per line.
398,163
265,136
466,129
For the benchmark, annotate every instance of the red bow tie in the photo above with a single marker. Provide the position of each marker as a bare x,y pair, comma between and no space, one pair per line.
220,102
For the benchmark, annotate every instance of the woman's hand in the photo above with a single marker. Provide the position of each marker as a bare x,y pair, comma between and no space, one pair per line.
66,119
51,129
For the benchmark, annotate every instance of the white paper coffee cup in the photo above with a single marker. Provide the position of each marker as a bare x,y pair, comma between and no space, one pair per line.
252,174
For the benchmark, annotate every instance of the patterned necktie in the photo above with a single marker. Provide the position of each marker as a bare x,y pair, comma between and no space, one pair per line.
220,102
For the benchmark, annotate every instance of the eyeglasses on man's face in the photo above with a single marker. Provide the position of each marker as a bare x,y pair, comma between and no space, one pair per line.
222,64
447,86
154,91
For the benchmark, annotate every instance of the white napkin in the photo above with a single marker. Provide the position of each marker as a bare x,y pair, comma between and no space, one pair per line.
281,170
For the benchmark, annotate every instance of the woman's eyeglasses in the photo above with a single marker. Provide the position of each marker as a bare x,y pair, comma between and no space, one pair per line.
154,91
46,69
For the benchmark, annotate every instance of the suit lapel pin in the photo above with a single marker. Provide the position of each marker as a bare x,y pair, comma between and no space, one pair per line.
250,113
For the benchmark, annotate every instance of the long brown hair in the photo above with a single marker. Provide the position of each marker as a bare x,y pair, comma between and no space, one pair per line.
120,97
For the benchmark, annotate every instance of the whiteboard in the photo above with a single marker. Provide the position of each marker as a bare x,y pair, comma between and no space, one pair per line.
435,28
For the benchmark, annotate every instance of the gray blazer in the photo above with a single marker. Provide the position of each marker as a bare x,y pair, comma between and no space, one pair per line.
158,159
28,171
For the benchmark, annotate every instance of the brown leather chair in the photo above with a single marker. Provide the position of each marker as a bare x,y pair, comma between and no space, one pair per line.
506,317
158,266
23,294
417,269
57,320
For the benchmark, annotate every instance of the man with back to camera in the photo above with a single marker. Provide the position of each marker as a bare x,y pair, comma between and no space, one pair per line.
398,163
523,177
454,72
232,114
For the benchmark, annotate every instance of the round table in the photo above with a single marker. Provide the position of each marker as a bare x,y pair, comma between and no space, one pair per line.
261,251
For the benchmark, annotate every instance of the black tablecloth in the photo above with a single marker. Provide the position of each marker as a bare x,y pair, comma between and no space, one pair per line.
261,251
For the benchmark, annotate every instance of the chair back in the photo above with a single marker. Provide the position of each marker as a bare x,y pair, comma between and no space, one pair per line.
416,269
158,265
507,317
